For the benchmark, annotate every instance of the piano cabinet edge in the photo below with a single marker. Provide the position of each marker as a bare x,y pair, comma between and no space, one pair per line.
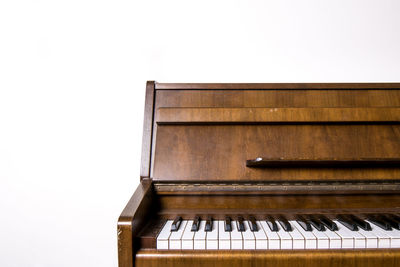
298,258
131,221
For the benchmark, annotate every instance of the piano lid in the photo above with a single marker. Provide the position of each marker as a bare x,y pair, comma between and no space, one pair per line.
319,132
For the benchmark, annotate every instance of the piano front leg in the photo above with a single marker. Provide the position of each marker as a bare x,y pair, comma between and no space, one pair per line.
131,221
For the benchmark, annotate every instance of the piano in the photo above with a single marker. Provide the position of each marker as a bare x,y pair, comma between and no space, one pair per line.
272,174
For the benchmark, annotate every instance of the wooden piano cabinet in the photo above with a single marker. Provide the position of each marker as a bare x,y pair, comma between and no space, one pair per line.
254,150
271,258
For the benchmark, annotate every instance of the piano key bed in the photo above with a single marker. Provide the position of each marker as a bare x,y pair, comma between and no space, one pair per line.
275,233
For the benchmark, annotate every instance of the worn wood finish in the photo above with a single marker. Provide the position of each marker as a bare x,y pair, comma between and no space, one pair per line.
131,221
275,115
298,258
147,130
360,187
219,152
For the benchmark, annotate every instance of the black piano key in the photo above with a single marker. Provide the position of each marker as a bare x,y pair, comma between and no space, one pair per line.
228,226
176,223
392,221
360,223
394,217
379,222
208,227
272,224
196,224
253,224
347,222
316,223
331,225
240,224
285,224
304,223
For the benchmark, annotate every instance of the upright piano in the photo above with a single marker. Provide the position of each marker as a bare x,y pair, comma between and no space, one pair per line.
272,174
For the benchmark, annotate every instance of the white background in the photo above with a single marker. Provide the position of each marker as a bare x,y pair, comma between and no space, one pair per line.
72,84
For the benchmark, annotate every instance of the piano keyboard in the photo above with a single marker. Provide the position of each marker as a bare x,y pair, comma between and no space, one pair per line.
306,232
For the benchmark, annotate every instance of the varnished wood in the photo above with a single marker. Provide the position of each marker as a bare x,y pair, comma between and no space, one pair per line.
219,152
265,86
131,222
275,115
147,238
298,258
277,98
147,130
215,204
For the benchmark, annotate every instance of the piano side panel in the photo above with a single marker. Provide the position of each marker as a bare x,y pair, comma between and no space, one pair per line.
131,221
219,152
309,258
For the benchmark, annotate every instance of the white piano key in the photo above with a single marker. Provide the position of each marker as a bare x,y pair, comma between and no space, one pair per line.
175,239
236,237
335,241
285,237
212,236
383,238
298,238
199,241
249,242
162,238
310,240
261,237
370,238
224,238
359,239
343,233
394,238
322,238
264,238
274,241
188,235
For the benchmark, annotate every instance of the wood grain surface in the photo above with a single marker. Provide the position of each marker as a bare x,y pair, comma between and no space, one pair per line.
219,152
189,116
132,220
293,258
266,86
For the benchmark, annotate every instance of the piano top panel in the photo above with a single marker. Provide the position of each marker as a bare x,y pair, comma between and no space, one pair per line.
196,148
